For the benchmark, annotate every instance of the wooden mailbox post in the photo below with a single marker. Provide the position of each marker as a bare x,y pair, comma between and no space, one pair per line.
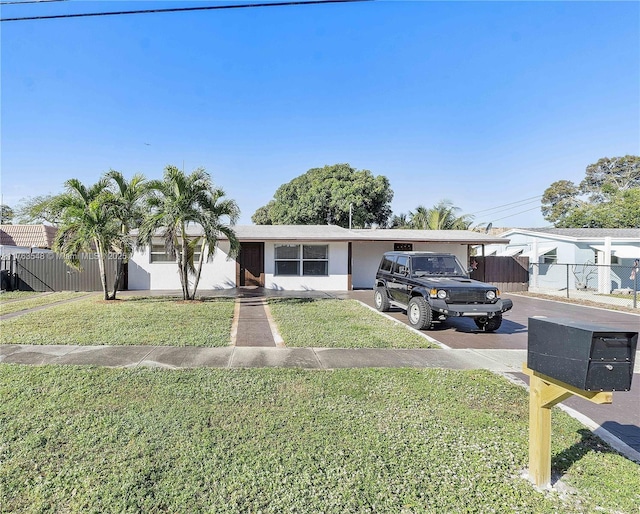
544,393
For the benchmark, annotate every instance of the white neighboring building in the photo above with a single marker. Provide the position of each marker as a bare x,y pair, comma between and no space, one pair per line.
301,257
606,255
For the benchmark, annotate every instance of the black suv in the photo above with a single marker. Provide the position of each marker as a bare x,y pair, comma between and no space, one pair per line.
434,286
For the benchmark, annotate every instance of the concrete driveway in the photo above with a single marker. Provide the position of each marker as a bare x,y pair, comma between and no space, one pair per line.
512,335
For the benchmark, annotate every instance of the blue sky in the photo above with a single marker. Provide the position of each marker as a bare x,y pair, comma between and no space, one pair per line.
481,103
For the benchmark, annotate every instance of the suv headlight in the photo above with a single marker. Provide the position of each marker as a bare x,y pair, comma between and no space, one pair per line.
491,295
442,294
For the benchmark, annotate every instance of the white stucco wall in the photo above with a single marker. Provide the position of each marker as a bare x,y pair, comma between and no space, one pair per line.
367,255
337,280
220,273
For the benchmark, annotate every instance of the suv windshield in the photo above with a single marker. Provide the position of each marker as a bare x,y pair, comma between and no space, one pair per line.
437,265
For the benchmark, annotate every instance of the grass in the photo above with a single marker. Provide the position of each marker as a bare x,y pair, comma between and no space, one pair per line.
339,324
134,321
16,301
273,440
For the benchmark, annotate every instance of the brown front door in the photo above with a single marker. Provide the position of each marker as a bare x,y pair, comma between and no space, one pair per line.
251,264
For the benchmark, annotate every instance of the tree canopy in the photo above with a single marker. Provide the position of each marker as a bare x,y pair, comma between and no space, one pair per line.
179,201
6,214
88,224
608,196
325,195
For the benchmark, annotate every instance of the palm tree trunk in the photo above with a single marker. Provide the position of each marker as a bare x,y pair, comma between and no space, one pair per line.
184,263
119,276
102,267
200,262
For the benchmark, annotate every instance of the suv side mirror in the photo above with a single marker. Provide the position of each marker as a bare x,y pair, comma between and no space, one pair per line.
403,270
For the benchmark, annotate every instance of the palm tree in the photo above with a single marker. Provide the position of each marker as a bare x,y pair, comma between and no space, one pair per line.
129,199
180,201
400,221
442,216
87,224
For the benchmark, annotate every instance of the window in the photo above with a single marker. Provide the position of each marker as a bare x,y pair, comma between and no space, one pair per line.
551,257
386,264
159,254
402,265
287,260
315,260
312,260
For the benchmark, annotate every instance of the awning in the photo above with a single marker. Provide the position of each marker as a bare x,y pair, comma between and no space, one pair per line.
542,249
622,252
511,252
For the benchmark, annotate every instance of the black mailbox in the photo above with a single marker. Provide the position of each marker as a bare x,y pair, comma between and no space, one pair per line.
587,356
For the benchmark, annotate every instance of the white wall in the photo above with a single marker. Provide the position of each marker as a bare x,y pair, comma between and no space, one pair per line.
220,273
367,255
338,267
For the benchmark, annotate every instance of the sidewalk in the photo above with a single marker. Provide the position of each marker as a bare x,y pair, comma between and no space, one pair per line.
173,357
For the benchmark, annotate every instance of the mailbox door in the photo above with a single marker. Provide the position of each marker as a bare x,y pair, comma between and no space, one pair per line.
609,376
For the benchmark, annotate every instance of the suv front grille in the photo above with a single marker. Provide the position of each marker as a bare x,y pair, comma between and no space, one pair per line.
467,296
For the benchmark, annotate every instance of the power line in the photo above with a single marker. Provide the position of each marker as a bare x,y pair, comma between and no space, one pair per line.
515,214
519,202
17,2
183,9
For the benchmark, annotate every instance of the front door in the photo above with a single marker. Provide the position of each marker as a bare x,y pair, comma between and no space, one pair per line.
251,264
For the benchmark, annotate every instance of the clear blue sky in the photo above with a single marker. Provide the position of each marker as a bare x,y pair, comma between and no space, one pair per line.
481,103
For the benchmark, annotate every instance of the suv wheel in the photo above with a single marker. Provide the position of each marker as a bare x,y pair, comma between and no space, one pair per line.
419,313
489,325
380,299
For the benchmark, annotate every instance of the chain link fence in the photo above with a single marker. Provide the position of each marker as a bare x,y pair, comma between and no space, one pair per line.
607,284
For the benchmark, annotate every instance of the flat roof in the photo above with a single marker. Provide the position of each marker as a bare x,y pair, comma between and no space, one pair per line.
258,233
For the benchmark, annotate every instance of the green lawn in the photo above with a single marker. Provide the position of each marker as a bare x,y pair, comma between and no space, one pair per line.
273,440
132,321
339,324
16,301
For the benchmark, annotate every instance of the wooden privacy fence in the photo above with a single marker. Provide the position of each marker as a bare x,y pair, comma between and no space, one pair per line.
509,274
46,271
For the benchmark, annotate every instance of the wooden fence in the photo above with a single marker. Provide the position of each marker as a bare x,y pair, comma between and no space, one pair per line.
509,274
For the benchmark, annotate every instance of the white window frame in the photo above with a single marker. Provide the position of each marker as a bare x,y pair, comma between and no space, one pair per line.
161,251
300,260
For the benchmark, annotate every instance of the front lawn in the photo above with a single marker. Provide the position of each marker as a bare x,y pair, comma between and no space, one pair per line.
280,440
339,324
131,321
16,301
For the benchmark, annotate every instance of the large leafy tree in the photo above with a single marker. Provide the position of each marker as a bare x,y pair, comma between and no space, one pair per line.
88,224
6,214
39,209
621,210
326,195
179,202
606,198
